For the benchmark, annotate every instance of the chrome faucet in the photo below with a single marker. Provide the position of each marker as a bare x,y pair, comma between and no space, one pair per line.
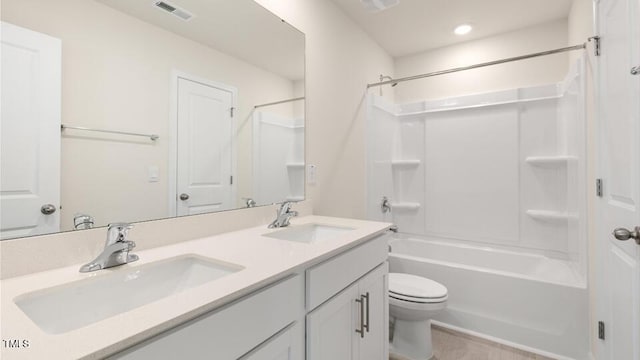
116,249
249,202
284,215
83,221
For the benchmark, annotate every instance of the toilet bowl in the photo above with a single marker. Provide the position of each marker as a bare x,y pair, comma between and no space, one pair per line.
413,301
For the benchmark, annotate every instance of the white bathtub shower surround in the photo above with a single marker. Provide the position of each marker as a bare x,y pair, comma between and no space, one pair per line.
278,146
488,191
504,168
529,301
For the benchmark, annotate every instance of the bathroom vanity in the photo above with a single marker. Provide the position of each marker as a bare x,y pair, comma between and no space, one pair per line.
316,290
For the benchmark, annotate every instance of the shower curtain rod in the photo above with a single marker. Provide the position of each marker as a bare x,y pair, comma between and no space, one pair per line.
278,102
463,68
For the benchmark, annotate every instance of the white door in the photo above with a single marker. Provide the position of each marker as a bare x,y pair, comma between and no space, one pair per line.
287,345
331,328
30,133
204,148
618,262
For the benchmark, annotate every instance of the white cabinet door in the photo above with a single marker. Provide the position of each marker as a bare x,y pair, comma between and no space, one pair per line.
331,328
286,345
354,324
618,262
230,332
375,343
30,132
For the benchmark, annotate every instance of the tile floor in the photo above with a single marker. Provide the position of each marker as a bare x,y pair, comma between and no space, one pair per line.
453,345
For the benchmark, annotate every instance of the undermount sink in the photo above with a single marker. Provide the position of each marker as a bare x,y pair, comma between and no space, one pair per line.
71,306
308,233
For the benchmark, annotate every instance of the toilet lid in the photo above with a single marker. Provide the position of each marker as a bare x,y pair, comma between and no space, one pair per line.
412,286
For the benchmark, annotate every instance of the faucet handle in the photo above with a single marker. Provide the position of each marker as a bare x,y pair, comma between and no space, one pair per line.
118,232
285,207
120,226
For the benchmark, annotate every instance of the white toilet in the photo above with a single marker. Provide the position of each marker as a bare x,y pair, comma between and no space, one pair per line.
413,301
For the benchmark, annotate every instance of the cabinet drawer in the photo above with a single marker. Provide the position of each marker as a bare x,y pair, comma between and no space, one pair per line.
330,277
230,331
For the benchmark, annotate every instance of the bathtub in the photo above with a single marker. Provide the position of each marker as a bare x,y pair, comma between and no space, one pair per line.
524,300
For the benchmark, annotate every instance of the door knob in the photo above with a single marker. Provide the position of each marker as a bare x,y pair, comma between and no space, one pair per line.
48,209
184,196
625,234
635,70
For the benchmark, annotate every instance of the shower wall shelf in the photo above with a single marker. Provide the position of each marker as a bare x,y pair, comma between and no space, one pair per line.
295,165
405,206
474,105
405,163
548,215
550,161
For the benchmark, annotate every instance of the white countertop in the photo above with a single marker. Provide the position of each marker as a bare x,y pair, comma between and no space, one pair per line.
265,260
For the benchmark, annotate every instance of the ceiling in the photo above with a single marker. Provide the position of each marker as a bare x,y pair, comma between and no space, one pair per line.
414,26
240,28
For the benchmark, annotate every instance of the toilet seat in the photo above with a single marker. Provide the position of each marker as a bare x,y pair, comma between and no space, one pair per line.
416,289
424,309
417,300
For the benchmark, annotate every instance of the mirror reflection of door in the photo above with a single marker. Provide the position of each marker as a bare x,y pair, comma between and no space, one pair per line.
30,133
204,171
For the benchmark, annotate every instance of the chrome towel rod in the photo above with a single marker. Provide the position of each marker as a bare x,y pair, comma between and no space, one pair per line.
150,136
463,68
278,102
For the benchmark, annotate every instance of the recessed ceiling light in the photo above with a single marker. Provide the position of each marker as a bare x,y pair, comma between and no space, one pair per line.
462,29
379,5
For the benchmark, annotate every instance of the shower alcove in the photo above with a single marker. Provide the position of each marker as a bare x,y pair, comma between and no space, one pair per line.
488,192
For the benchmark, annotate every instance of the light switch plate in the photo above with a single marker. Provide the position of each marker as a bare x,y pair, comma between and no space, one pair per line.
154,173
311,174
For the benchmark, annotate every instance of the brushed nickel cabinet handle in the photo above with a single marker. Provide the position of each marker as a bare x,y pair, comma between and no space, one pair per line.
361,330
366,297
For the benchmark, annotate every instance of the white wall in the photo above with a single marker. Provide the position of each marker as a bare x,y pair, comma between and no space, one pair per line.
340,60
116,75
532,72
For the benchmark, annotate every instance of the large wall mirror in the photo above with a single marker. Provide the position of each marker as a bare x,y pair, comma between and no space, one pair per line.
132,110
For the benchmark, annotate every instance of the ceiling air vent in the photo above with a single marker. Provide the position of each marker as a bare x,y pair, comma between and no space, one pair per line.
379,5
174,10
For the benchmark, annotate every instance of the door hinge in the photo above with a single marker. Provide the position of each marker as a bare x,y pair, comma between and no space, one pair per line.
596,41
231,179
232,110
599,187
600,330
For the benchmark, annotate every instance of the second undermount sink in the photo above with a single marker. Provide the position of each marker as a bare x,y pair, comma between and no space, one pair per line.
308,233
71,306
